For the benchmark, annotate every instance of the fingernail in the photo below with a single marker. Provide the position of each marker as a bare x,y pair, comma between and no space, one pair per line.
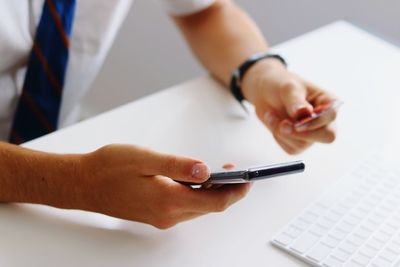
299,107
269,118
228,166
286,129
200,171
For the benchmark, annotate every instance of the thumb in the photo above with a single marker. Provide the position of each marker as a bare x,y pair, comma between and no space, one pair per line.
294,98
178,168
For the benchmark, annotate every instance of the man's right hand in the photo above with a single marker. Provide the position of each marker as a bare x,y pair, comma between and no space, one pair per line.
135,183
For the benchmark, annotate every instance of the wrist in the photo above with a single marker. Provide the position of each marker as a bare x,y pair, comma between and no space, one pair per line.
37,177
62,185
256,75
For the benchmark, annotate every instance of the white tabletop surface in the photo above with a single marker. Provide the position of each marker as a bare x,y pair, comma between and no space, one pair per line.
201,119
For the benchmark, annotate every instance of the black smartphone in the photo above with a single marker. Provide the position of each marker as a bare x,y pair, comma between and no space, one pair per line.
255,174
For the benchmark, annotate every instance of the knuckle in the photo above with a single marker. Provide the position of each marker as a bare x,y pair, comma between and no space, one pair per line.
290,150
172,164
168,207
288,86
330,136
261,116
270,119
260,113
242,193
106,148
164,224
164,214
222,205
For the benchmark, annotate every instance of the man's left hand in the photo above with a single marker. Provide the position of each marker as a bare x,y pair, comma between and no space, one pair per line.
281,98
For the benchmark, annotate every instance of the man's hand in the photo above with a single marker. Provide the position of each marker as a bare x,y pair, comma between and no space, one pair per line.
281,98
223,37
123,181
138,184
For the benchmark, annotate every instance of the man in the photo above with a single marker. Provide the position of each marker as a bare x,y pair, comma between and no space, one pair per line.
50,53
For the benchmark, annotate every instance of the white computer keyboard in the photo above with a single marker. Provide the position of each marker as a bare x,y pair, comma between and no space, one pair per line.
355,223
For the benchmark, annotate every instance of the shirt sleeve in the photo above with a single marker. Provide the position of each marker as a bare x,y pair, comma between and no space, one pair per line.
184,7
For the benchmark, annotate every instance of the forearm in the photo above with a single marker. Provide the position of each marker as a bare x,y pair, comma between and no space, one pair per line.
222,37
36,177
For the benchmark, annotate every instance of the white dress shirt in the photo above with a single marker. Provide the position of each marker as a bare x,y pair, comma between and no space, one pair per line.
95,25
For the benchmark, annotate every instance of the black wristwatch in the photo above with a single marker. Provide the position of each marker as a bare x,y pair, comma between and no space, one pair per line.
239,73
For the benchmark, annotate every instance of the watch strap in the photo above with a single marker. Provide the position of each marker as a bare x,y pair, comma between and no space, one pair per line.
238,74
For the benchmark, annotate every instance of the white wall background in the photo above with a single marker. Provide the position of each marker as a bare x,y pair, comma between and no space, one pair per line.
149,54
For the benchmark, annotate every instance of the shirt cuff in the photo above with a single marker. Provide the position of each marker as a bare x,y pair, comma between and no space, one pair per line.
184,7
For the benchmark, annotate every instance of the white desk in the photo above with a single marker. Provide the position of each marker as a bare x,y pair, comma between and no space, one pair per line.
201,119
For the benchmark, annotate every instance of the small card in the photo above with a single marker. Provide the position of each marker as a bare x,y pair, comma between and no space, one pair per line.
319,111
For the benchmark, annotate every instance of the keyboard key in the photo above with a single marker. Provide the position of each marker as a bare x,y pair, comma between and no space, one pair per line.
292,232
348,247
325,222
387,207
382,213
341,255
349,219
318,230
388,230
284,239
340,210
389,255
332,216
394,247
369,225
317,209
359,213
353,264
328,200
375,198
338,234
309,217
396,218
301,224
331,241
362,233
345,227
319,252
333,262
393,223
392,202
350,201
376,244
381,262
347,205
304,242
356,240
382,236
361,259
375,219
368,251
358,193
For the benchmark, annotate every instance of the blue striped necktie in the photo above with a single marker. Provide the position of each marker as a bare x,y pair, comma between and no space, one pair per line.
38,107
